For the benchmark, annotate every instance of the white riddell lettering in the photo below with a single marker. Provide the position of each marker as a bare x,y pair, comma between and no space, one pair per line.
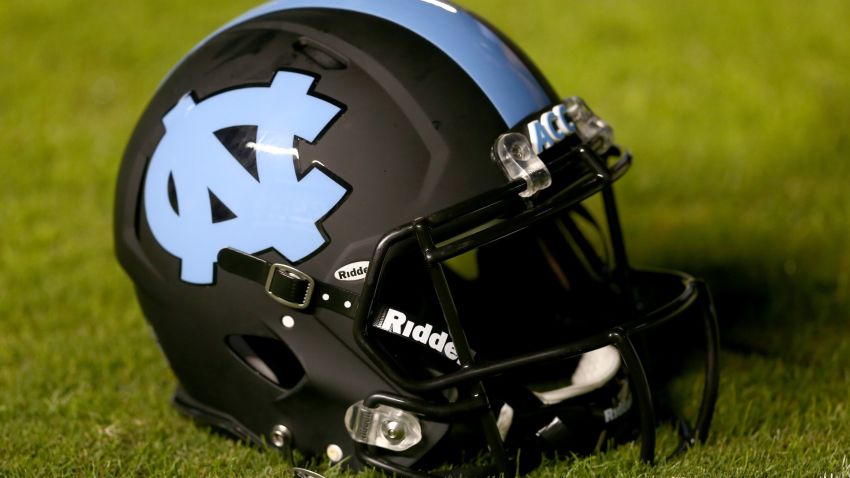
393,321
437,342
407,329
352,272
450,351
421,333
396,322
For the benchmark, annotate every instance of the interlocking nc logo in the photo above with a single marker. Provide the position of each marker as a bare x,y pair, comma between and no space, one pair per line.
276,209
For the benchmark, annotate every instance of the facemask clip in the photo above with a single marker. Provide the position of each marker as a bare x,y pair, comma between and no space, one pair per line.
515,155
383,426
592,129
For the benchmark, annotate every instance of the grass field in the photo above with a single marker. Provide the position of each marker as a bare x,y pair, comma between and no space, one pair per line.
738,113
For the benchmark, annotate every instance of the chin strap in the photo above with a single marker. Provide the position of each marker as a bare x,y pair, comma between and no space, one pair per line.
287,285
595,369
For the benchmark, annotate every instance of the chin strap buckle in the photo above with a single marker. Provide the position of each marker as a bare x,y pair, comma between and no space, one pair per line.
289,286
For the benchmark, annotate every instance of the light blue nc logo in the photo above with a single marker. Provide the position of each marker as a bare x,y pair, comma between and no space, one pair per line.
271,208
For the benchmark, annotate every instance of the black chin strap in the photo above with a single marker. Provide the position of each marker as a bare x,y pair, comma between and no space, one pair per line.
287,285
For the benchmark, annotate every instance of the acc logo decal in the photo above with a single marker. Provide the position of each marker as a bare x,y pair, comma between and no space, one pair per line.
276,208
552,127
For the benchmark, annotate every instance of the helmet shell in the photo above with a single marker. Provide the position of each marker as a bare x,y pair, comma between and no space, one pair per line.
417,116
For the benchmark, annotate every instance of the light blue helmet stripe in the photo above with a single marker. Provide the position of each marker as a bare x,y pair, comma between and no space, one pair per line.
501,75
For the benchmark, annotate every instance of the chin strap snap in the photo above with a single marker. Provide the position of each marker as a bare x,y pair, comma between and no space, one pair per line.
287,285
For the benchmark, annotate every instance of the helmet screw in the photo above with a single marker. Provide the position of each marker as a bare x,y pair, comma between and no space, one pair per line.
393,430
281,436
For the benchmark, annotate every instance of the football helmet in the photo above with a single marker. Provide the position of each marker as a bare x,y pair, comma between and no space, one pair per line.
371,231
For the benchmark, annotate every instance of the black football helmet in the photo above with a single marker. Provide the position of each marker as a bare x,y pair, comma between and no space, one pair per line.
365,229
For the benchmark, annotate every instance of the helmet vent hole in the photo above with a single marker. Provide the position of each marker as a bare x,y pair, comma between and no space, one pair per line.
270,358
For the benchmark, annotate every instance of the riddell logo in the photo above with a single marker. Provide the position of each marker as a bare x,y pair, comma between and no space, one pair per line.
396,322
352,272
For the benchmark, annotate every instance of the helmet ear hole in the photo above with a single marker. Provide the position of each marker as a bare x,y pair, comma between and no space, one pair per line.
270,358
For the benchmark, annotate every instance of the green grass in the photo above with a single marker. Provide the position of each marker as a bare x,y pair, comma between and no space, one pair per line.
738,113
